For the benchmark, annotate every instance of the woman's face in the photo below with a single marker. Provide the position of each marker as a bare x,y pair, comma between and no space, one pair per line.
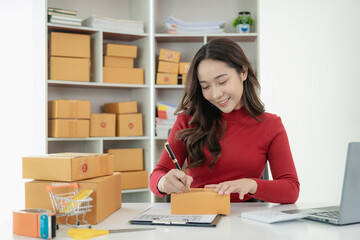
221,85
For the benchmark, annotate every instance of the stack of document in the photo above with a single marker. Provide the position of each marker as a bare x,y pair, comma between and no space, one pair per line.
174,25
165,118
63,16
113,24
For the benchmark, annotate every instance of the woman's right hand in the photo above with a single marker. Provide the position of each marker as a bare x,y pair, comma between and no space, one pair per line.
175,181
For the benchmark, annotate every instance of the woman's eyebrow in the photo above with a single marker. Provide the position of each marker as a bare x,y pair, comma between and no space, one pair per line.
217,77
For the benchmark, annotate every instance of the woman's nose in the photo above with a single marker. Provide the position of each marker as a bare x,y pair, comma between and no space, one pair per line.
217,92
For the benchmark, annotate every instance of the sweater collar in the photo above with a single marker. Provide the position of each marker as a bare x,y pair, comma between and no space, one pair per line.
236,114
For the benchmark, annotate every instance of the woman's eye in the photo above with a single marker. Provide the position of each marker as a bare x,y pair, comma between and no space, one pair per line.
204,88
223,82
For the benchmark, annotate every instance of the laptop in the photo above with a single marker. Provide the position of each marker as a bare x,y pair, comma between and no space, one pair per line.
349,210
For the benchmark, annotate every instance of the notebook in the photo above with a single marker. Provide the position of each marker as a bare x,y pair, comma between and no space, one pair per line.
349,210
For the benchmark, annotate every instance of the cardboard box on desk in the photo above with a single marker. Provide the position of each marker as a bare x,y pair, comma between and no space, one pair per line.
69,109
127,159
69,45
69,69
123,75
106,196
120,50
121,62
121,107
67,167
68,128
169,55
102,125
200,201
134,180
129,125
167,78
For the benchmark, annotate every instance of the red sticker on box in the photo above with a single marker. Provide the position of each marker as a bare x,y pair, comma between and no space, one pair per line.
169,55
131,125
103,124
84,167
166,79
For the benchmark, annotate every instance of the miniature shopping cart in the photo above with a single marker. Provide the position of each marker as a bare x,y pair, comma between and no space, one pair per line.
71,203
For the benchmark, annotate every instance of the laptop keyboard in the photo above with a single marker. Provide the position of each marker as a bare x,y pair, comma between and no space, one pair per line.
334,214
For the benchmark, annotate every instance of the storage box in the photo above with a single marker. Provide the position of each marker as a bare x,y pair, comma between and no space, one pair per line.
67,166
102,125
69,109
69,69
168,67
133,180
200,201
129,125
123,75
120,50
122,62
68,128
169,55
69,45
106,196
183,80
166,78
121,107
127,159
184,67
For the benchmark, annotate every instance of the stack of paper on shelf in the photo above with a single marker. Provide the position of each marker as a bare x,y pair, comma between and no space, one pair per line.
174,25
165,118
113,24
63,16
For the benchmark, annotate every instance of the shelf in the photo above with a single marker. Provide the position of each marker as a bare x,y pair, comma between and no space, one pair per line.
99,138
238,37
160,138
170,86
136,190
58,83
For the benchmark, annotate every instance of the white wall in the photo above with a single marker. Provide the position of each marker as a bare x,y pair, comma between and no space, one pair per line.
310,76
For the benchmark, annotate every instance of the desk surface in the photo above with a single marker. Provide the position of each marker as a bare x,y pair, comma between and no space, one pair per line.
230,227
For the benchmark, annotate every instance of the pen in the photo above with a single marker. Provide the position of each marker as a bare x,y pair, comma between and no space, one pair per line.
172,156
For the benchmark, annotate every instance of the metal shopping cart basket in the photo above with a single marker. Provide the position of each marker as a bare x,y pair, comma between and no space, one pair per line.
71,203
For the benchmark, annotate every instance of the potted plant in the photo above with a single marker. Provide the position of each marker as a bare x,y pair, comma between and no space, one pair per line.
243,22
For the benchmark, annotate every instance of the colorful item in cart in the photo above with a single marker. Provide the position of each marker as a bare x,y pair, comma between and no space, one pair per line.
39,223
90,233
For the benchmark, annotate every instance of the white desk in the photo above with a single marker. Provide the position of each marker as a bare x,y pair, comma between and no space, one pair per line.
230,227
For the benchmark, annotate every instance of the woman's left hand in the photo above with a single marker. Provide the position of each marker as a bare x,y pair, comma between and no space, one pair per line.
242,186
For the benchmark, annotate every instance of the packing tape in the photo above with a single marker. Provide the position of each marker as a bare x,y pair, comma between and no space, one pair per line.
40,223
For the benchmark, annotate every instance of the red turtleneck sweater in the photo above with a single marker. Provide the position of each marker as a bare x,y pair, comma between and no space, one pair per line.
246,147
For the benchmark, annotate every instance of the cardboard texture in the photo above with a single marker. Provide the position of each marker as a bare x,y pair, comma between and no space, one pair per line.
127,159
184,67
129,125
169,55
120,50
166,78
200,201
68,128
69,45
67,166
183,80
133,180
168,67
69,69
69,109
123,75
102,125
121,107
121,62
106,196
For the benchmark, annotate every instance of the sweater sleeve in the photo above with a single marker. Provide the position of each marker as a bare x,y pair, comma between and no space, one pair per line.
165,163
285,186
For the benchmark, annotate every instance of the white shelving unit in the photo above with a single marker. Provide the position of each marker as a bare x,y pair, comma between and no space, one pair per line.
153,13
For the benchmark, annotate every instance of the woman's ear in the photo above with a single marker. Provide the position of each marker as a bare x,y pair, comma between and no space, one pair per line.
244,73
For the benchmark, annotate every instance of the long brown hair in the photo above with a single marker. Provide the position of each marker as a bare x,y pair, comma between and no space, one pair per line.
207,124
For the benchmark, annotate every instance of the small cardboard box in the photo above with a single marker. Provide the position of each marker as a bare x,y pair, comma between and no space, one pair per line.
121,62
133,180
166,78
121,107
129,125
69,109
69,69
184,67
200,201
127,159
123,75
120,50
67,166
102,125
168,67
169,55
183,80
69,45
68,128
106,196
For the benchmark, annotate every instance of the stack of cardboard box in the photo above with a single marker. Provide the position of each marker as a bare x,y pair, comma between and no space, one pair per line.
119,65
69,55
168,67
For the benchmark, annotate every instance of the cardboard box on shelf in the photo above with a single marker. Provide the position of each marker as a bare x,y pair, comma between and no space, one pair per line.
200,201
183,78
69,69
127,159
106,196
78,109
166,78
184,67
68,128
120,50
168,67
102,125
133,180
122,62
121,107
123,75
169,55
67,166
129,125
69,45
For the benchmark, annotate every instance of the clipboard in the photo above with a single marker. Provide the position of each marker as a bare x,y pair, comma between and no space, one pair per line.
160,214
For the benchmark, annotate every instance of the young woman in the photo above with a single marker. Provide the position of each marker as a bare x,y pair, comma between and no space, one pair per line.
224,134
